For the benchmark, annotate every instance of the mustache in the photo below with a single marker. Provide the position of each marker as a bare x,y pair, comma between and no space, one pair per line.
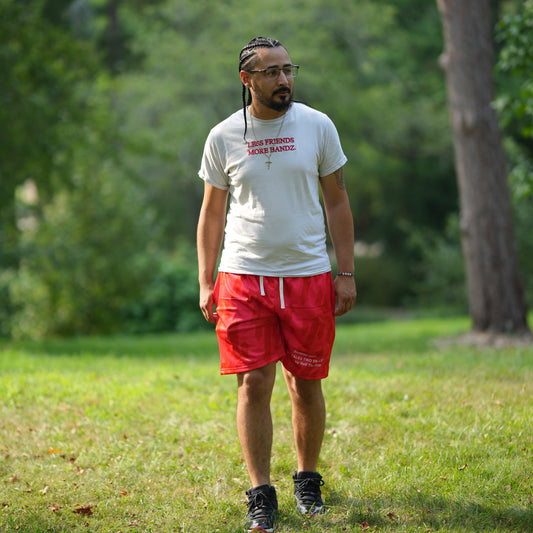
282,89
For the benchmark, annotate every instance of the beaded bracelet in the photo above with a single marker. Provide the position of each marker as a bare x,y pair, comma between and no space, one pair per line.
351,274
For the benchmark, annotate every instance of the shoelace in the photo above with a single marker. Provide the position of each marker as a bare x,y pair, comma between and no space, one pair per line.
309,488
259,506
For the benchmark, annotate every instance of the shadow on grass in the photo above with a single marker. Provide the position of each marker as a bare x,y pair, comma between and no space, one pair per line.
424,512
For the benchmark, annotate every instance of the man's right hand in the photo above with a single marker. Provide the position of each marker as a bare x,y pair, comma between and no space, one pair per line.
206,303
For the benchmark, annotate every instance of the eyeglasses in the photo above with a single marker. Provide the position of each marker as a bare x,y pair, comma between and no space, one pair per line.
272,73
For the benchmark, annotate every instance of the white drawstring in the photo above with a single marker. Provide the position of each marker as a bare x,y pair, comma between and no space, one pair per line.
281,297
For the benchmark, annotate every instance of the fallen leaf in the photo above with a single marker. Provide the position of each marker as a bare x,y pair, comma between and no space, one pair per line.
53,450
86,510
463,467
55,508
45,490
365,526
123,492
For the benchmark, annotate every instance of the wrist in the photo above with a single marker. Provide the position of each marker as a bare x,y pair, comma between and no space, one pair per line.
206,283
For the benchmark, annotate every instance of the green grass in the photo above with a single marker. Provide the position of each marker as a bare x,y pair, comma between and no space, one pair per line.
138,435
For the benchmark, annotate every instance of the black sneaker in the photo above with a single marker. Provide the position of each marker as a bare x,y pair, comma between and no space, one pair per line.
262,505
307,493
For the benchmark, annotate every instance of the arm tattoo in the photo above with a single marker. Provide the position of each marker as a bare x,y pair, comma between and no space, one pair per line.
339,178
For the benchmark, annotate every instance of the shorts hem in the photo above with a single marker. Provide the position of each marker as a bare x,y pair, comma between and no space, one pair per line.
224,371
305,373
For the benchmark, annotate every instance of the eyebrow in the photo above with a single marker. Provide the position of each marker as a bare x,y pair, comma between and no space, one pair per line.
276,66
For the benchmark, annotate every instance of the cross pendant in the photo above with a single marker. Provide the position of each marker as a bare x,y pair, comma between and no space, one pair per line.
268,163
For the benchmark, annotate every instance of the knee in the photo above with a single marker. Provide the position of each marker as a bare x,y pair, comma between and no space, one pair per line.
306,391
256,385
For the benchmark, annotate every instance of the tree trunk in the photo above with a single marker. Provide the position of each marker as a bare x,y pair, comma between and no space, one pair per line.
495,293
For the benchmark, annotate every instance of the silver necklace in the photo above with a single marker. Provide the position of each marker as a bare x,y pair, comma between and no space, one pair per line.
268,155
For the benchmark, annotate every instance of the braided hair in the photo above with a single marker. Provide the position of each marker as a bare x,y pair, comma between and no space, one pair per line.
247,60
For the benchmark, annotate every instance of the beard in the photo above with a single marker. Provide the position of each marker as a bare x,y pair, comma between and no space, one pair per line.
282,103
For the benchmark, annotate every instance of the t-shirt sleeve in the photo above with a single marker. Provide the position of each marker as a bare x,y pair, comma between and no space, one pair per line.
212,168
332,157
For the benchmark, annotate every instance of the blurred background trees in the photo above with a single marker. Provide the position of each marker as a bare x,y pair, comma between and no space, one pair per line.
104,109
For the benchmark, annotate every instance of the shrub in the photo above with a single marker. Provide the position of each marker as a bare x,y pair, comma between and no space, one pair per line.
84,260
439,279
170,299
524,244
381,281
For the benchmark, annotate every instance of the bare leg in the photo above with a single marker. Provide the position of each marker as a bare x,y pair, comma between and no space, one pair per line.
254,421
308,419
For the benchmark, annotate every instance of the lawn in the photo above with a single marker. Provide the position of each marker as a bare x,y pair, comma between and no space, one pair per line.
137,435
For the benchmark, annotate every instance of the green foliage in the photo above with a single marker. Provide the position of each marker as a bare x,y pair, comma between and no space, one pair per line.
439,280
85,260
523,210
169,301
515,101
42,104
6,305
439,276
516,58
515,105
381,281
93,265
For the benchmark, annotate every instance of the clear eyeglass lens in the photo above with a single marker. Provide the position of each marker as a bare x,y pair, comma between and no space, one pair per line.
288,71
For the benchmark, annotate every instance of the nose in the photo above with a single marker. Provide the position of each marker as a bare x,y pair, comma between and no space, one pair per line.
282,78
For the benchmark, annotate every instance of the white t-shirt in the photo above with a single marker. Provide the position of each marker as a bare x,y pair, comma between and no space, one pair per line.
275,222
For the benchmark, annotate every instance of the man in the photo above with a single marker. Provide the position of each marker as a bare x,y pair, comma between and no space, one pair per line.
274,295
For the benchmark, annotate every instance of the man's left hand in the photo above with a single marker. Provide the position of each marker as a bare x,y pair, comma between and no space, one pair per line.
346,293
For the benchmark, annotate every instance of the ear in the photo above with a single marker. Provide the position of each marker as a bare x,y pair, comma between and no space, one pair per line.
246,79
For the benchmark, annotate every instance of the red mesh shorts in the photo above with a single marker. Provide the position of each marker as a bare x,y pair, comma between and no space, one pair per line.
263,319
